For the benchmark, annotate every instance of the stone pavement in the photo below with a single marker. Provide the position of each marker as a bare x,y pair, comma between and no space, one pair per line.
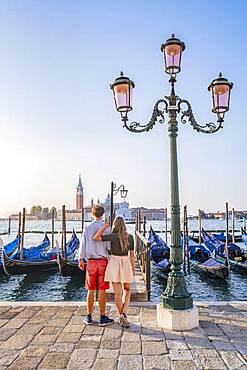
44,336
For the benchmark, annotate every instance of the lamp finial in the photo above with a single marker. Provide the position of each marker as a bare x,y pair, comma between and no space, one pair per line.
173,35
220,75
121,73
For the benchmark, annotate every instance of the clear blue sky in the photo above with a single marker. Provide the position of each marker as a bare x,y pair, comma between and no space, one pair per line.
57,118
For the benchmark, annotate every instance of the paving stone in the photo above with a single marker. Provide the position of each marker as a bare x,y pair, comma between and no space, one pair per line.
17,342
82,359
81,311
54,360
223,345
68,337
110,343
62,347
8,315
93,330
89,341
4,309
209,359
6,333
233,360
106,353
198,343
195,333
35,351
113,332
74,328
25,363
213,331
150,336
180,355
184,365
130,348
7,357
57,322
76,320
53,330
241,349
30,329
154,348
15,323
157,362
172,335
177,344
130,336
105,363
3,322
49,311
38,320
130,362
45,339
63,315
27,313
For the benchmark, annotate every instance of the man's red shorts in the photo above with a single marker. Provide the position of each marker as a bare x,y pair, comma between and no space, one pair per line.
95,274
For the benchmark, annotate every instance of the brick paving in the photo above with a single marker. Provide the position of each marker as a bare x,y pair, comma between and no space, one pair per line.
47,336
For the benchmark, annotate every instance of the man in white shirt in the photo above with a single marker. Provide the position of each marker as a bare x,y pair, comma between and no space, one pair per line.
96,254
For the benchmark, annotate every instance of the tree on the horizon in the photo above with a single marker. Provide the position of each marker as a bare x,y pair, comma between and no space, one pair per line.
45,212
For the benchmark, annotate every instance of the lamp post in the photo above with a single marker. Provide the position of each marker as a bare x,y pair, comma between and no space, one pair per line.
114,191
176,310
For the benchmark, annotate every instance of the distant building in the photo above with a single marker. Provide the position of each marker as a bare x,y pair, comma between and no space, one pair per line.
121,208
79,196
151,214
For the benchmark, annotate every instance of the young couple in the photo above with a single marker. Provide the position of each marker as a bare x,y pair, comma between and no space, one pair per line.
110,258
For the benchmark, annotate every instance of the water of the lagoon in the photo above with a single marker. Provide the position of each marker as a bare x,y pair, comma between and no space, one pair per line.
54,287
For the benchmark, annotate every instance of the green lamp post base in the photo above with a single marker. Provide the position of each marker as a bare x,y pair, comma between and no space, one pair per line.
177,303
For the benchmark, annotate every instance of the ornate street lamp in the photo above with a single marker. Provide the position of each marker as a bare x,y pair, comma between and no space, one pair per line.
176,310
114,191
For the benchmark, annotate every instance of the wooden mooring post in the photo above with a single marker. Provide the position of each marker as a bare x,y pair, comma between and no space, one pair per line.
199,226
22,233
227,230
143,258
64,246
52,226
144,226
19,230
233,226
9,228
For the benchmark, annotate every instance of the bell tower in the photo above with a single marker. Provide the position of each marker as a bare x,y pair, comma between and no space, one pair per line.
79,196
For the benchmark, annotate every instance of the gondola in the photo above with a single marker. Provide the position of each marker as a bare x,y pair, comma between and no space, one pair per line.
221,237
9,249
71,247
214,268
34,252
69,266
159,252
37,262
19,267
202,260
237,256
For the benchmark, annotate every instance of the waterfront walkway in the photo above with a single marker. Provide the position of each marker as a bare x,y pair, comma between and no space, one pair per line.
53,336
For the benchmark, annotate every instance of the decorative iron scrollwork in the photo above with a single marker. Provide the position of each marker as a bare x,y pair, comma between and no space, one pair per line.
137,127
187,115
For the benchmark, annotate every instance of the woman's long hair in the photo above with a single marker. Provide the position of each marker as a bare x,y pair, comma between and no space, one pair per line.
119,228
